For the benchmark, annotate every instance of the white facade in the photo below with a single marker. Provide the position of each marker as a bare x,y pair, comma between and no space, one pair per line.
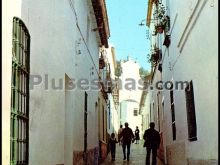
145,105
191,56
130,81
113,114
129,94
128,115
63,46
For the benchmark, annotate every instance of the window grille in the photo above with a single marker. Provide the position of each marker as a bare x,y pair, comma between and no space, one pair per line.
19,137
172,108
191,114
135,112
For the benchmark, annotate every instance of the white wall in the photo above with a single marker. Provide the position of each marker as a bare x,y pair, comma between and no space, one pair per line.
192,55
7,20
127,111
129,90
129,99
146,111
200,57
52,27
114,122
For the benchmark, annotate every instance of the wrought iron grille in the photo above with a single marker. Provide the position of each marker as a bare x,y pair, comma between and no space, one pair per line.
19,137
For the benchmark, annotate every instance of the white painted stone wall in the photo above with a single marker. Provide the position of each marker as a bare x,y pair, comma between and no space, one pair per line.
130,70
145,109
56,118
7,20
129,99
194,57
113,116
127,111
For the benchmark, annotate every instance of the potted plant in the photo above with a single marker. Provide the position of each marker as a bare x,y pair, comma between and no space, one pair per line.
166,23
160,12
101,63
155,56
159,28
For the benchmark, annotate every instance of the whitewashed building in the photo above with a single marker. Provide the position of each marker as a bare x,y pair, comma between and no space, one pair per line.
130,94
187,119
144,106
108,100
113,97
50,55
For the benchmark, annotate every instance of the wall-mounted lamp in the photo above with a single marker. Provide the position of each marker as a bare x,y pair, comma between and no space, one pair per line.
142,24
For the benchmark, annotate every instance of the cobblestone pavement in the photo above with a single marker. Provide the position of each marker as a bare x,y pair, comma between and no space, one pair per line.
137,156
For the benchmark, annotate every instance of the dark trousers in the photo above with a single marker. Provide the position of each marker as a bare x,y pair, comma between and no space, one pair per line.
154,156
128,145
113,153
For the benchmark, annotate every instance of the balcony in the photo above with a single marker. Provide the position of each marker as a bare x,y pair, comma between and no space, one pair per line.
105,81
115,92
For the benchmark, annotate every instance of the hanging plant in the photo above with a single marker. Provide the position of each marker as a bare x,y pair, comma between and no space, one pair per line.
155,57
166,22
160,13
101,63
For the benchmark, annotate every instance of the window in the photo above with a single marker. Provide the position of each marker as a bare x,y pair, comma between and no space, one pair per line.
162,109
191,114
172,108
158,111
135,112
109,115
103,123
153,113
85,121
20,94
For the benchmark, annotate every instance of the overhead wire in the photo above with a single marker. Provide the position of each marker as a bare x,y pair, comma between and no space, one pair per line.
81,34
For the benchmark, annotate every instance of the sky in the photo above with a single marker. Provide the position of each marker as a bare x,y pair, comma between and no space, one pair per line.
128,38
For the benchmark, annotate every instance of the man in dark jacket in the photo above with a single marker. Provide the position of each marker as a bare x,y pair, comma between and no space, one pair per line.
152,142
128,137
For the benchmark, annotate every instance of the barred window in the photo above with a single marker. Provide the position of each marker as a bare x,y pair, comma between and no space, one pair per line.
172,108
19,136
135,112
85,121
191,114
158,111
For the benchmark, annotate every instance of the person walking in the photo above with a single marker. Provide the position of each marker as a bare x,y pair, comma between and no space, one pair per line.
137,136
112,144
152,142
128,137
119,133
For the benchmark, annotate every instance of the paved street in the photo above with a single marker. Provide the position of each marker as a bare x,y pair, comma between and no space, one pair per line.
137,157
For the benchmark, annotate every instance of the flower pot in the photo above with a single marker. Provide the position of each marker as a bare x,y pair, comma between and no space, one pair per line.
159,29
101,63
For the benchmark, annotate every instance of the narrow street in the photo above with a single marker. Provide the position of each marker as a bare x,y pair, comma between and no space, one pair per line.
80,75
137,157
